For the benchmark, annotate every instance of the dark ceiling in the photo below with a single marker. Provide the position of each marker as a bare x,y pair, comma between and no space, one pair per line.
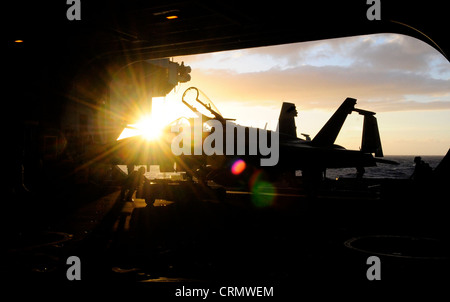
140,28
55,51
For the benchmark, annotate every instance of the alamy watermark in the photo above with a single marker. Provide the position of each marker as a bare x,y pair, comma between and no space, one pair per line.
374,11
257,140
374,271
74,11
74,271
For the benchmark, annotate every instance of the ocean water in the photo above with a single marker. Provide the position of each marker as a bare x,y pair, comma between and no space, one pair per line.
402,171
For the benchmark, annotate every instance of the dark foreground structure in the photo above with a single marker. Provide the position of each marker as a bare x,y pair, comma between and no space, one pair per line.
68,79
277,237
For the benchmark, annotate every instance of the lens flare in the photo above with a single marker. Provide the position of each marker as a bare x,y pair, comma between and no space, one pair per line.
238,167
263,192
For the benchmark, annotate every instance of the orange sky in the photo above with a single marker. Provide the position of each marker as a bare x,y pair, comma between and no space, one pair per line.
404,80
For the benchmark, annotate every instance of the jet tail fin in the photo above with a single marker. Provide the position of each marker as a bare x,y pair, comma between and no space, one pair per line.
329,132
371,142
286,121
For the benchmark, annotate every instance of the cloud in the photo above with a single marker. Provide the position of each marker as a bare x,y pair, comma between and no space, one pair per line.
313,87
393,52
384,72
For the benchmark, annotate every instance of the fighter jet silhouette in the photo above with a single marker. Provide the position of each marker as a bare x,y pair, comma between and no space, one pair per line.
210,150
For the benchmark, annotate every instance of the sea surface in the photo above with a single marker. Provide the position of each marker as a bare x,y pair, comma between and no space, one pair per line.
401,171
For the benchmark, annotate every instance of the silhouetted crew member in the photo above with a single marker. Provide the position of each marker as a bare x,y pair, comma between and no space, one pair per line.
360,172
132,183
422,170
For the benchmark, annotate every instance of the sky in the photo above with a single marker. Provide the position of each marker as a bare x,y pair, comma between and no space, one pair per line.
404,80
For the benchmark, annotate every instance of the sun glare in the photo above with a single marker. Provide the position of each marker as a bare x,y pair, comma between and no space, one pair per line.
149,126
164,111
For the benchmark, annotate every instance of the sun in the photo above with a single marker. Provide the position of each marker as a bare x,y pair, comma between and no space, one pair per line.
148,126
151,125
